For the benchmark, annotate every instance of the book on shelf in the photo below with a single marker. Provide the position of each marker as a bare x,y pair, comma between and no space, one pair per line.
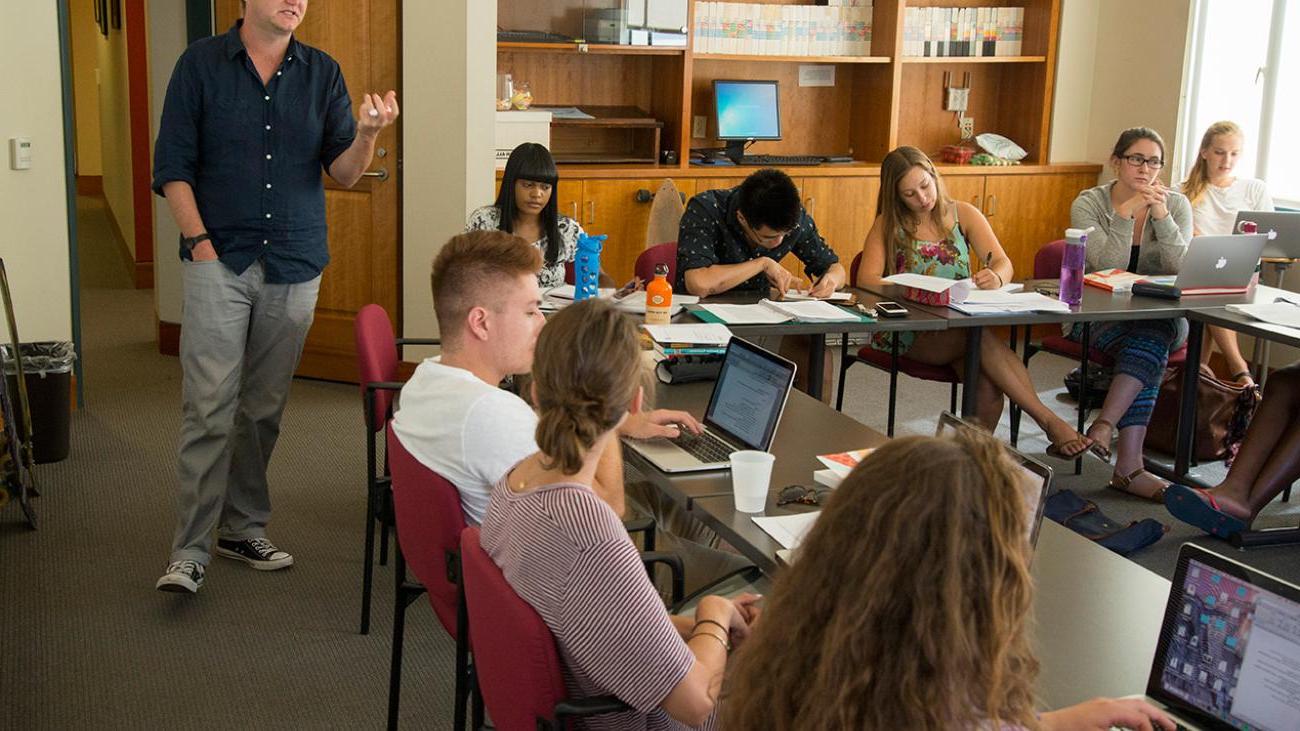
963,32
760,29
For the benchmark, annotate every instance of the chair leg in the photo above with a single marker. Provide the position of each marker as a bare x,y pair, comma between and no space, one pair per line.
952,399
1286,494
400,603
385,526
844,368
476,707
368,565
465,681
893,381
1015,410
1083,390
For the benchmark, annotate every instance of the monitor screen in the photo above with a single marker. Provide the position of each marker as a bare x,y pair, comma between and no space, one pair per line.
750,394
747,110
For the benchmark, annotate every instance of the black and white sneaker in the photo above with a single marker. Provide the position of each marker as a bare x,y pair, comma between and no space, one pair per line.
259,553
181,576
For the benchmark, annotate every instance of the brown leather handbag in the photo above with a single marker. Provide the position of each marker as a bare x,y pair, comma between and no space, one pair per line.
1223,412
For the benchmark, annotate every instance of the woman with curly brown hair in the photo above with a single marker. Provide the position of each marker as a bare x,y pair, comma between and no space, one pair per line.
910,611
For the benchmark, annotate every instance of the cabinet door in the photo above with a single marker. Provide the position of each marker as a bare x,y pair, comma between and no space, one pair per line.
843,209
1028,211
969,188
703,184
620,209
568,198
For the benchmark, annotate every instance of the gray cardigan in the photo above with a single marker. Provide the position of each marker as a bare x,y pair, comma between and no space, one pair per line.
1164,241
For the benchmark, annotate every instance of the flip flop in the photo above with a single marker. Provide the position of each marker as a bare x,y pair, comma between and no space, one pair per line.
1102,450
1057,449
1185,504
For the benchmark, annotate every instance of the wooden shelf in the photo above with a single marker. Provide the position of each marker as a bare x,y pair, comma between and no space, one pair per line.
790,59
591,48
974,59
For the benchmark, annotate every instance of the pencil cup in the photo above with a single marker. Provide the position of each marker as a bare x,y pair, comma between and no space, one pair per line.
751,472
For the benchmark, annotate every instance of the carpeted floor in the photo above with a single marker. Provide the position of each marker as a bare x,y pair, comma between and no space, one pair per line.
85,640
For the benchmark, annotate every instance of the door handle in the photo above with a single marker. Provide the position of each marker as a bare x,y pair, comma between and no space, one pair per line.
993,206
811,205
574,207
381,173
591,212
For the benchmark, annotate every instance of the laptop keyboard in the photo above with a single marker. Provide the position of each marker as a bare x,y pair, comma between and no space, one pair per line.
704,447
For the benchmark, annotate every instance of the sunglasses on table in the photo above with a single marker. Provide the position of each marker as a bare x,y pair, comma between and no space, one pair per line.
803,495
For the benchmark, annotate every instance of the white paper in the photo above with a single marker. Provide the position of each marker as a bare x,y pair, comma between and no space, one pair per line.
810,311
746,314
1285,314
923,281
801,295
704,334
787,530
1000,303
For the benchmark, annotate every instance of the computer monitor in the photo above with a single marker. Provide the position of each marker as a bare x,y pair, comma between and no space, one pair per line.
746,110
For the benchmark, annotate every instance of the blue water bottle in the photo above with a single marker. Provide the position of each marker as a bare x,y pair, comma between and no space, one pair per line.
586,266
1072,262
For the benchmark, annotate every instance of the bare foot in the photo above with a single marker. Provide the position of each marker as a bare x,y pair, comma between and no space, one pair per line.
1065,441
1227,504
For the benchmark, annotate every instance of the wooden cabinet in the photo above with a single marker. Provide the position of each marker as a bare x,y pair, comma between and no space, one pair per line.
843,209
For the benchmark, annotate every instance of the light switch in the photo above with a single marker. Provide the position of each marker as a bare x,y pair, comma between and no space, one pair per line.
20,153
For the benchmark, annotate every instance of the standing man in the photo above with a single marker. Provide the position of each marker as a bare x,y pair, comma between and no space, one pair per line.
251,119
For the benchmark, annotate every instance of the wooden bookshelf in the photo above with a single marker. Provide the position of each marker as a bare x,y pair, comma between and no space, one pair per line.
952,60
789,59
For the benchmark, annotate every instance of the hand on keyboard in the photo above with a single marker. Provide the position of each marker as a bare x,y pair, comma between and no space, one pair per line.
659,423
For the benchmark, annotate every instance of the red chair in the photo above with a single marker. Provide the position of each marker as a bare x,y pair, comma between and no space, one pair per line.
429,524
652,257
892,363
378,355
516,664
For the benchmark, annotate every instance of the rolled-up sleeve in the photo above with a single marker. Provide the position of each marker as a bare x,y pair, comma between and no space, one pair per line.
812,250
176,152
1171,234
340,127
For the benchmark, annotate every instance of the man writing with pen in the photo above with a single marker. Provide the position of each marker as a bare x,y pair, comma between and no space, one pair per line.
734,239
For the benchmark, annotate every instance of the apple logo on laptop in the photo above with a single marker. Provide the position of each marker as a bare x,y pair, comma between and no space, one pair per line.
1221,263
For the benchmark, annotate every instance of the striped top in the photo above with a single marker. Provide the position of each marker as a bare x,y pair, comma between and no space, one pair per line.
564,552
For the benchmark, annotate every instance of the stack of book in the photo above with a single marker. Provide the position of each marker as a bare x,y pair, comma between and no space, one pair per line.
761,29
1118,281
677,340
963,31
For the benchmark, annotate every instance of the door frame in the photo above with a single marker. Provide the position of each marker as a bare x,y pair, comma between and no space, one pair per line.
70,187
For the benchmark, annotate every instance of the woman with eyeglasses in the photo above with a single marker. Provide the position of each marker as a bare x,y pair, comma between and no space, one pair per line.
906,612
1140,225
526,207
1216,196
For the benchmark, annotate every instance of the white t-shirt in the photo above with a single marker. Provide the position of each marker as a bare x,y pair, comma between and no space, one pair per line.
467,431
1215,214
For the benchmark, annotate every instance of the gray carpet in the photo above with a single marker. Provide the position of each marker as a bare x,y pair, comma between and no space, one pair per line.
85,640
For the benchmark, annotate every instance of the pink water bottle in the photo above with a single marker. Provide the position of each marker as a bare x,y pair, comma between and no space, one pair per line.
1072,262
1250,227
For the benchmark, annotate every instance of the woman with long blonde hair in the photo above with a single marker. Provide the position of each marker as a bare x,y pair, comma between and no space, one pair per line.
919,229
906,610
1216,196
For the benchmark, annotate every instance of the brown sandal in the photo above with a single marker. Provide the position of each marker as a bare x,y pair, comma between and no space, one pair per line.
1122,482
1098,448
1057,449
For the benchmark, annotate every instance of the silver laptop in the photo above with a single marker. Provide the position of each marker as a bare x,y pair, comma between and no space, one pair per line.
1229,649
744,411
1038,476
1220,262
1282,227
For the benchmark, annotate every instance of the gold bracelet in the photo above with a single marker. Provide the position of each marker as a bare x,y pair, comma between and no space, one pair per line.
717,624
725,644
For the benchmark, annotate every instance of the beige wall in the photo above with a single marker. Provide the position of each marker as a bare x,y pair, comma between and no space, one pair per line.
115,130
85,59
1107,81
166,42
33,203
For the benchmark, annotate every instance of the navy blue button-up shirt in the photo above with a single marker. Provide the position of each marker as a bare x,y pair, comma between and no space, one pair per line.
254,153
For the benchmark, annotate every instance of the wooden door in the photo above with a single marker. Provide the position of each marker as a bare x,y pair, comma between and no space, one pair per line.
969,188
568,198
364,221
703,184
843,209
620,209
1027,211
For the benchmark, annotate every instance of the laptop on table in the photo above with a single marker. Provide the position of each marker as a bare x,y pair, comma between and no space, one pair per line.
744,411
1212,265
1229,650
1282,227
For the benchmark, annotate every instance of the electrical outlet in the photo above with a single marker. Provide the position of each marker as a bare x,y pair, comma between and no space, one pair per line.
699,126
967,126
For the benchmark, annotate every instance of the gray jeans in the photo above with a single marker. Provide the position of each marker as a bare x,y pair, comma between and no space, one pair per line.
241,339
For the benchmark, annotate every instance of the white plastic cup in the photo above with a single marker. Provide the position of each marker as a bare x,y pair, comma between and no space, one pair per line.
751,472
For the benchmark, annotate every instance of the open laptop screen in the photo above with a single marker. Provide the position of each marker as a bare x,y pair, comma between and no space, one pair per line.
1229,650
750,394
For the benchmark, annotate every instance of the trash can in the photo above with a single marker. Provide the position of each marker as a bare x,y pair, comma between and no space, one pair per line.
47,369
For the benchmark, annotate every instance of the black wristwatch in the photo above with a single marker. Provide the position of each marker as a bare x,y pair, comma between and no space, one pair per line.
189,242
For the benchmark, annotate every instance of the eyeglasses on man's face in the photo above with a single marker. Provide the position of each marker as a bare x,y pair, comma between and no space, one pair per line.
1138,161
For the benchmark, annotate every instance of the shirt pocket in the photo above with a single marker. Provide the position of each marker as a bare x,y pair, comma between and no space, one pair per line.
232,122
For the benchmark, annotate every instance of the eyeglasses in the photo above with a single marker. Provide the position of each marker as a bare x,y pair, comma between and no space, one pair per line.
1138,161
802,495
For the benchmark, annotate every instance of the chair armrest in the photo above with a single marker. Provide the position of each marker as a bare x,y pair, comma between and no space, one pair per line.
417,341
642,524
384,385
588,707
674,564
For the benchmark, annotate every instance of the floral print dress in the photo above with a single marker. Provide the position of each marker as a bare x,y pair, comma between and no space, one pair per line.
948,258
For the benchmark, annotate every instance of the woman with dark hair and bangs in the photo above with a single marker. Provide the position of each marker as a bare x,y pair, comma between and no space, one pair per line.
526,207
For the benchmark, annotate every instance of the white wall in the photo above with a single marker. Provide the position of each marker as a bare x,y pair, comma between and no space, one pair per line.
33,203
166,42
448,143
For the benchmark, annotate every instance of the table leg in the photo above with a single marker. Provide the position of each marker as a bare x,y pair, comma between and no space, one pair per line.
1261,354
971,372
1183,442
816,365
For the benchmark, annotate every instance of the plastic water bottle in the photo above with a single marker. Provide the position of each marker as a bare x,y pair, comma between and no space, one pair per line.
1076,249
586,267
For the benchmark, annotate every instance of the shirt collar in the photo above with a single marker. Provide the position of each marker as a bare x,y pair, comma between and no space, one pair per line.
234,44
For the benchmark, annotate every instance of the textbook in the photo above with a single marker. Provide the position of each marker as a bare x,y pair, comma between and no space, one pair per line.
1118,281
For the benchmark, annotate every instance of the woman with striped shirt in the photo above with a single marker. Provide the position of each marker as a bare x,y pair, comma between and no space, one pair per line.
565,552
